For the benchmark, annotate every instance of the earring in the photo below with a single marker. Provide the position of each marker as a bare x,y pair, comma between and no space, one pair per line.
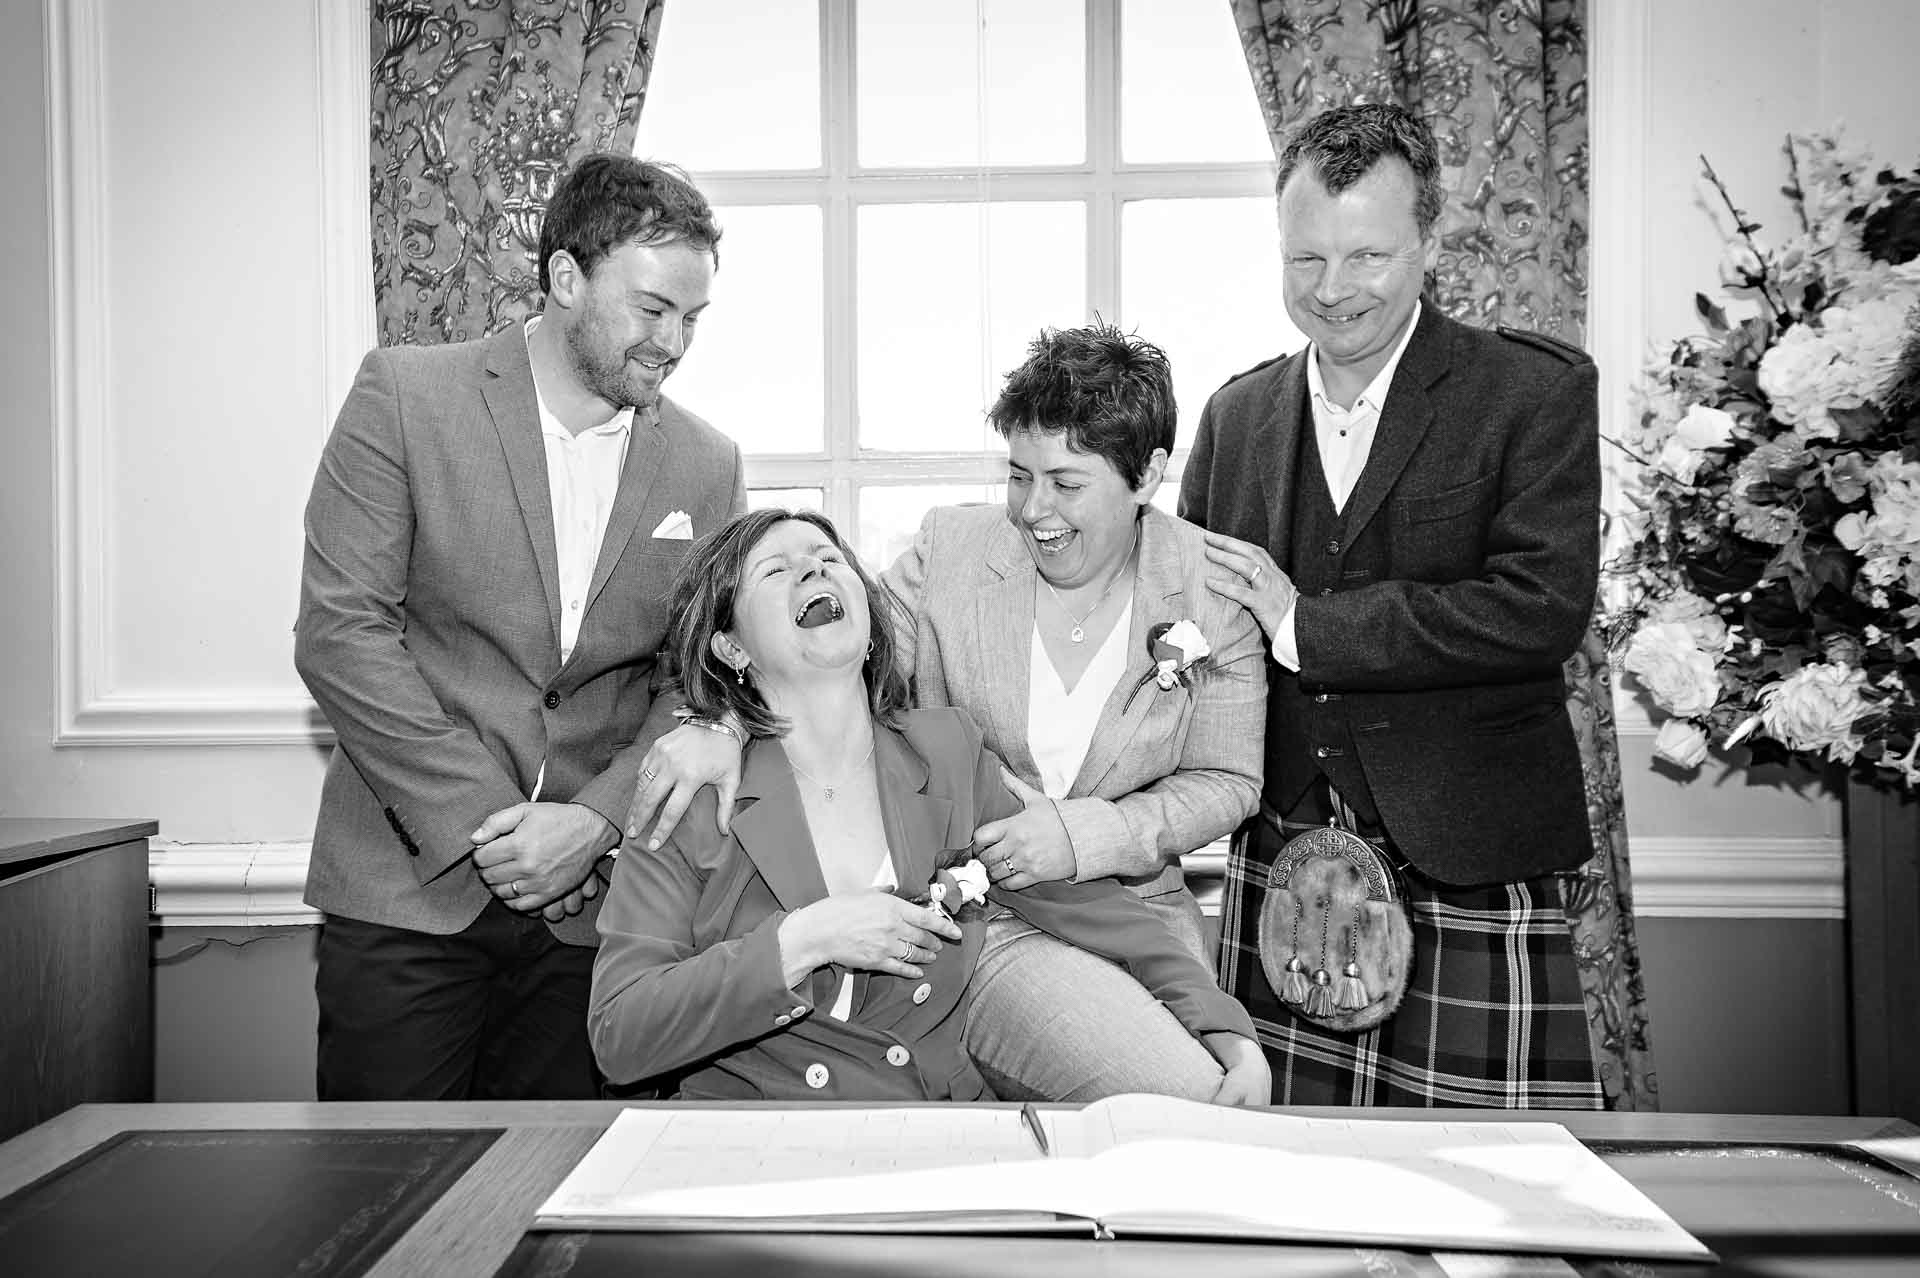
740,675
870,644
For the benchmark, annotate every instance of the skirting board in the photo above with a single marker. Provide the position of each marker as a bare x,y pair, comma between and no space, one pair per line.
260,884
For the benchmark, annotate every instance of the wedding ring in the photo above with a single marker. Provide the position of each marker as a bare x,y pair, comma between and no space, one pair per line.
1255,575
513,888
906,951
647,775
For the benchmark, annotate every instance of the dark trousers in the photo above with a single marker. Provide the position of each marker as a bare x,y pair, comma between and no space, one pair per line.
497,1011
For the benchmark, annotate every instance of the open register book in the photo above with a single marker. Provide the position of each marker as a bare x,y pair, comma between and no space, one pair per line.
1130,1165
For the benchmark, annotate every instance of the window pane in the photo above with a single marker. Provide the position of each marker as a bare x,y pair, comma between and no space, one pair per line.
755,370
786,498
1185,95
717,101
950,295
923,65
1201,279
890,515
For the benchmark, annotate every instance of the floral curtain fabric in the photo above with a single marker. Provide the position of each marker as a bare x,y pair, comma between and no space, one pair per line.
1504,86
478,107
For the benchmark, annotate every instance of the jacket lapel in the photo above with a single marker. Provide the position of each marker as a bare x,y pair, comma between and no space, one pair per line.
1158,591
1286,416
515,408
646,454
916,822
1004,621
1404,419
771,828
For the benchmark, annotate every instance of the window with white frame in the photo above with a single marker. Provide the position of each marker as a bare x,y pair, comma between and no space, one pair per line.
911,189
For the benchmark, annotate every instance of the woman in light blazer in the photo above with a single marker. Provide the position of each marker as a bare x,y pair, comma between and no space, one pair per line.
1070,625
790,958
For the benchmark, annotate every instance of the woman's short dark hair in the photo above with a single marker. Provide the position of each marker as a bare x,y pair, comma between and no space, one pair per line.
702,604
1111,393
607,200
1342,145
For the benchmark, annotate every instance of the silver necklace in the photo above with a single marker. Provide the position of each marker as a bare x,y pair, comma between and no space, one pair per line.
826,790
1079,634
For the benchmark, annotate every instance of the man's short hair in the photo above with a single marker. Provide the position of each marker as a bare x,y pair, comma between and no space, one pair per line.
608,200
1342,145
1111,393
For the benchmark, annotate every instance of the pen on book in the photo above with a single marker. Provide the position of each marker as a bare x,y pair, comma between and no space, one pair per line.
1031,1117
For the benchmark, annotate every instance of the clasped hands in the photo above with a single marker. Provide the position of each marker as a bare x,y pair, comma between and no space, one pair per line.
543,856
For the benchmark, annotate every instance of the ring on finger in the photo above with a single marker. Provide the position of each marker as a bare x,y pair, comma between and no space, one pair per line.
1255,575
513,888
648,774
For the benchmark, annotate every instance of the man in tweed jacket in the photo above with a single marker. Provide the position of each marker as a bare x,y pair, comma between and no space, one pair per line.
1410,507
490,538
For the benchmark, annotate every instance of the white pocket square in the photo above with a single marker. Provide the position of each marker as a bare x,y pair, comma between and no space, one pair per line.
675,527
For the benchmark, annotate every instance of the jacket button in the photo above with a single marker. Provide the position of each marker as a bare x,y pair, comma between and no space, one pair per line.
897,1056
816,1076
551,700
922,992
1326,590
783,1019
1333,547
1320,698
1320,752
798,1011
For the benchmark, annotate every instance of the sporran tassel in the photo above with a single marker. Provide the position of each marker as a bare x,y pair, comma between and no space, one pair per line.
1350,994
1293,982
1320,997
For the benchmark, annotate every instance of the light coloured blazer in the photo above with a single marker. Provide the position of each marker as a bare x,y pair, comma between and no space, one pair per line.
689,982
429,625
1166,772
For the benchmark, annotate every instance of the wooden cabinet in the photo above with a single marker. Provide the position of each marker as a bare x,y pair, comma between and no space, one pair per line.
76,1003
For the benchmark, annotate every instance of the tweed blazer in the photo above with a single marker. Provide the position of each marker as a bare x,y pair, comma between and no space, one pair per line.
429,624
1166,772
1485,473
688,981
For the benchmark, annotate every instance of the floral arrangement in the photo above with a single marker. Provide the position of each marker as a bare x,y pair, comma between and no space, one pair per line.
1772,566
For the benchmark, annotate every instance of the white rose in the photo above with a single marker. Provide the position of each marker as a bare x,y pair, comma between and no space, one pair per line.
1850,530
1705,427
1697,615
1814,708
1793,373
1670,665
1187,638
1678,460
1682,743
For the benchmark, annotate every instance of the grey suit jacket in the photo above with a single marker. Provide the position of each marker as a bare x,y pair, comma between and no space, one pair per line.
429,625
1166,772
1485,476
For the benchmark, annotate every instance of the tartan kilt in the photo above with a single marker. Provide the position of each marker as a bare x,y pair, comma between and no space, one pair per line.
1493,1015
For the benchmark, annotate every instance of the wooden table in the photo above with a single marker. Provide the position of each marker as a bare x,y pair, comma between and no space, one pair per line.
1760,1208
76,1012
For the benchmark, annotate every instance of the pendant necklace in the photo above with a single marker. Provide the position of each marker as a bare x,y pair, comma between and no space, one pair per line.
826,790
1079,633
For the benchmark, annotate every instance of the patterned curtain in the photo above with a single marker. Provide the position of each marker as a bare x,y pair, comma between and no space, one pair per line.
1504,85
478,107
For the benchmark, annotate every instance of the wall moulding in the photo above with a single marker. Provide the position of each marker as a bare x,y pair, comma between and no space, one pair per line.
260,884
94,707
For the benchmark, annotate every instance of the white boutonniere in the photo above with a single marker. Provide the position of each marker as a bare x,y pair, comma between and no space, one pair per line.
957,886
1177,649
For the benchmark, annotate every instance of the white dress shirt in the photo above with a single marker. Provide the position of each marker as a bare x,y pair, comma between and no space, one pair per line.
1060,723
1345,440
583,476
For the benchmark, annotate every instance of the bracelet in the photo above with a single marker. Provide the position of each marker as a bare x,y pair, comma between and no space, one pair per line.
692,720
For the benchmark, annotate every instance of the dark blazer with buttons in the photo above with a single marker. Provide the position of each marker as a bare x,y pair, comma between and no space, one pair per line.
1484,476
688,980
429,625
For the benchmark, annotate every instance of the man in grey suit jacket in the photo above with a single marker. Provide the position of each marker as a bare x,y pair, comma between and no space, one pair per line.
1410,508
489,543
